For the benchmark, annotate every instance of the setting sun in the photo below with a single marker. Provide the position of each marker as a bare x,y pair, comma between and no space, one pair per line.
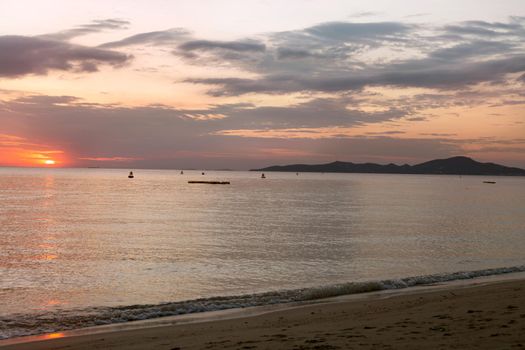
49,162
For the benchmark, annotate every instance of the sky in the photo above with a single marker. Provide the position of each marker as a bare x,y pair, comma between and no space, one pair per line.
240,84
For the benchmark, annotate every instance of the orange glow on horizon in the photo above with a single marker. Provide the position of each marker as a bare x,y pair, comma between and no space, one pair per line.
16,150
30,158
42,158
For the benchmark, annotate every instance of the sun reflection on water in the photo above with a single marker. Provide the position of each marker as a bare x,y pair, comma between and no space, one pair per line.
53,302
48,257
54,335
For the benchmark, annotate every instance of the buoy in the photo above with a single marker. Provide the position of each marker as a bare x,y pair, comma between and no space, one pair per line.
263,177
130,176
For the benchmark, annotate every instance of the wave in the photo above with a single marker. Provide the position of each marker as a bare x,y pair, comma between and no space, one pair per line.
17,325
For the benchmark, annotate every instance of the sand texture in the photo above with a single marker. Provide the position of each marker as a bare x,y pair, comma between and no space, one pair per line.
477,317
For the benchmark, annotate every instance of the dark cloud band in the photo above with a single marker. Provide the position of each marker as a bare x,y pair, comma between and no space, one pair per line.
21,55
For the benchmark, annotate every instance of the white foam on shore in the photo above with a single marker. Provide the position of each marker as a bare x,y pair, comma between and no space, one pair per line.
18,325
363,287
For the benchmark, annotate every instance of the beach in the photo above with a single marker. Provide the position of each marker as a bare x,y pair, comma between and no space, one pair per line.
482,315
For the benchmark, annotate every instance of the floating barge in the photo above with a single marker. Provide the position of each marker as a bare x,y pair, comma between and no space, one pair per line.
210,182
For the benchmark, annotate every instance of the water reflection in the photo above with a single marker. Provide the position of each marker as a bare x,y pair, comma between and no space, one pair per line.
76,237
53,335
53,302
46,257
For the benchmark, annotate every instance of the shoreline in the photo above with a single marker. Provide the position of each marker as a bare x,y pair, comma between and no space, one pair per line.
83,321
483,293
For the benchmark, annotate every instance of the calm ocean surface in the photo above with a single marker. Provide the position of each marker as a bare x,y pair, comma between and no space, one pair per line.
82,242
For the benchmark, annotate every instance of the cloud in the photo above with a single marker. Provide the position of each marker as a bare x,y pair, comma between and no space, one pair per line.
485,29
334,69
110,159
288,53
100,131
475,49
91,132
316,113
436,134
329,48
427,73
365,14
22,55
196,51
338,57
404,149
327,44
417,119
506,102
165,137
164,37
208,45
499,150
91,28
46,100
383,133
223,53
359,32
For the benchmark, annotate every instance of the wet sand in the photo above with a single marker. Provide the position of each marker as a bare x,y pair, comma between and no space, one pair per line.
490,316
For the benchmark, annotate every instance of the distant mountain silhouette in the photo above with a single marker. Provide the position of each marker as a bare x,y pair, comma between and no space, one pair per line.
449,166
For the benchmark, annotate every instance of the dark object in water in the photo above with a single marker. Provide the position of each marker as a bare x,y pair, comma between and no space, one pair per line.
489,182
263,176
202,173
131,176
210,182
182,172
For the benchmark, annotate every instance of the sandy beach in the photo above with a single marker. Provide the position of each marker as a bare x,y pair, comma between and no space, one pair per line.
484,316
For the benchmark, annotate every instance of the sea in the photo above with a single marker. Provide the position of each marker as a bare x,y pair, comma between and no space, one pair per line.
87,247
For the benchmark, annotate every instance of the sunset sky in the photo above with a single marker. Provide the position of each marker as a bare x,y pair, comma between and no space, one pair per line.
241,84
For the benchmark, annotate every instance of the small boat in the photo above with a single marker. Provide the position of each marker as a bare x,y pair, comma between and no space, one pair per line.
263,176
131,176
489,182
202,173
182,172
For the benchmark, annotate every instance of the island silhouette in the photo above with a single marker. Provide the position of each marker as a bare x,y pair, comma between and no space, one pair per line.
459,165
